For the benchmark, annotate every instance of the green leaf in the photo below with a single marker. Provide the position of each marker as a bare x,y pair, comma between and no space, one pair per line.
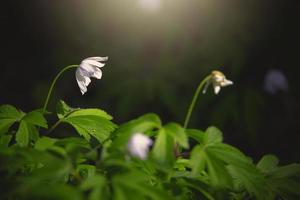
218,174
33,133
22,135
132,185
197,160
284,181
196,135
83,132
240,167
287,171
44,143
5,140
86,170
286,188
96,185
8,116
63,109
10,112
267,163
87,122
163,150
91,112
199,186
5,124
229,154
212,135
36,117
142,124
253,181
98,127
177,133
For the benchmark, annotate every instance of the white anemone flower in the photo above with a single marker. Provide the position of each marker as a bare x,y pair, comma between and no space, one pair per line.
89,67
218,80
138,145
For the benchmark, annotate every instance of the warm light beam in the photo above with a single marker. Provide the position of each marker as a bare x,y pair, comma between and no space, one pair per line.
150,5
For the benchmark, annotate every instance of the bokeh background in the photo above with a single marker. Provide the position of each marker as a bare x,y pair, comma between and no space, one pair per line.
159,50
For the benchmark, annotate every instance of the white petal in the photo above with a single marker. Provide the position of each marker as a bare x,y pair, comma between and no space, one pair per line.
226,83
98,58
218,78
87,69
81,81
97,74
138,145
87,81
206,86
94,63
217,89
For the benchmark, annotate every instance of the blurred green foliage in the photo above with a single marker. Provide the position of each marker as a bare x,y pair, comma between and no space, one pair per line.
81,168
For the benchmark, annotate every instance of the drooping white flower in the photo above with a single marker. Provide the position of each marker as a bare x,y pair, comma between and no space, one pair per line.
89,67
275,81
218,80
138,145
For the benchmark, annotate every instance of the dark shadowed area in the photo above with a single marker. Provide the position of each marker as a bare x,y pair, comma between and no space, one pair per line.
158,52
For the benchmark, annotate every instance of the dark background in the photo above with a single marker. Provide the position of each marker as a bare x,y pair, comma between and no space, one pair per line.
156,60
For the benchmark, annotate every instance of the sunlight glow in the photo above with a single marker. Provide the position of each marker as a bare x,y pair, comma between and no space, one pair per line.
150,5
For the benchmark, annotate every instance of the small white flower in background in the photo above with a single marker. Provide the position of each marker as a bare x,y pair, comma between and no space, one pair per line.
138,145
275,81
218,80
89,67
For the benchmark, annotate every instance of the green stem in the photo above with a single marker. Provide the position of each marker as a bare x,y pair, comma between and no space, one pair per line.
60,120
53,84
194,100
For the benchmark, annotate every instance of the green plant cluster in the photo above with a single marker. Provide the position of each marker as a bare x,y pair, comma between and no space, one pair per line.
96,164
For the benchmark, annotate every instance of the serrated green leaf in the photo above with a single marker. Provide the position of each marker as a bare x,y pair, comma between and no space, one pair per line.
62,109
267,163
240,167
212,135
96,126
254,182
87,122
177,133
22,135
8,116
10,112
36,117
91,112
83,132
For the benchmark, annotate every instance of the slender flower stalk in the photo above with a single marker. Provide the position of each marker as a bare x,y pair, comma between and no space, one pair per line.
194,100
54,82
89,67
217,79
